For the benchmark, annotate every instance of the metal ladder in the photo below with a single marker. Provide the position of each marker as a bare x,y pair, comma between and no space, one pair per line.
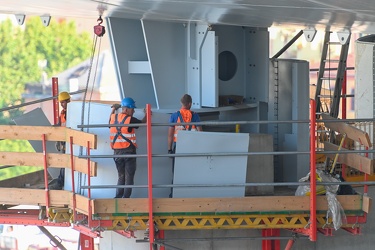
344,40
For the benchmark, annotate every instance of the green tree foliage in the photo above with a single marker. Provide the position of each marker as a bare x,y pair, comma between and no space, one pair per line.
22,47
16,146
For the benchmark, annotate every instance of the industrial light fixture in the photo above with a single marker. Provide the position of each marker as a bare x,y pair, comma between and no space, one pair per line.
45,19
309,34
343,36
20,18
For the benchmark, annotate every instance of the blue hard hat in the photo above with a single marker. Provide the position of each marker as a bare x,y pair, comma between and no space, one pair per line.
128,102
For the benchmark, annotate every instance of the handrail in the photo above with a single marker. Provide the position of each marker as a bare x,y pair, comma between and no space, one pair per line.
149,176
38,101
312,171
213,123
89,219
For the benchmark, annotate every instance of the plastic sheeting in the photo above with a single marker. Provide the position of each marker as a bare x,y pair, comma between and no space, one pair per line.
335,210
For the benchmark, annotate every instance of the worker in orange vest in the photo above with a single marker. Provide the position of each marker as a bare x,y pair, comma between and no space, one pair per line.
123,142
184,115
64,99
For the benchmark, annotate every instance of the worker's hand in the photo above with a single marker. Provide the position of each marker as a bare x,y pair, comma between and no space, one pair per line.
170,151
145,111
116,106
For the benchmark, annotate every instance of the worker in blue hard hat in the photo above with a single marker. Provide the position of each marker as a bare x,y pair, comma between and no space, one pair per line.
123,142
184,115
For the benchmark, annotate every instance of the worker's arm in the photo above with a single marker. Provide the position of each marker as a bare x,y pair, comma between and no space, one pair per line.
170,137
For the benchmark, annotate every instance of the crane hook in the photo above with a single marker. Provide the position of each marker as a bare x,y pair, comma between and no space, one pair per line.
100,20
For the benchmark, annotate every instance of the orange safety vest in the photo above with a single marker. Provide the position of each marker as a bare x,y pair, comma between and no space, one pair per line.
184,116
63,118
120,137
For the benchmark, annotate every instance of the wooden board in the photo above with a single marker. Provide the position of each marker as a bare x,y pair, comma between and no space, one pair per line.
59,198
37,197
359,162
214,205
53,160
350,131
367,202
15,132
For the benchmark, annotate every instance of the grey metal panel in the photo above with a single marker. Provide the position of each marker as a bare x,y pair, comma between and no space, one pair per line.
166,47
37,117
129,45
197,36
209,69
289,101
364,79
256,42
231,38
210,169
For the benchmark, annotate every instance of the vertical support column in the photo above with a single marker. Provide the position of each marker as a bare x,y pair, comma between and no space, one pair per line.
45,171
55,92
343,101
73,183
365,187
149,176
343,116
270,244
89,219
312,171
161,236
86,242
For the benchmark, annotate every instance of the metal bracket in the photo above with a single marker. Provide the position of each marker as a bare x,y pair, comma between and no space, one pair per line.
309,34
45,19
343,36
20,18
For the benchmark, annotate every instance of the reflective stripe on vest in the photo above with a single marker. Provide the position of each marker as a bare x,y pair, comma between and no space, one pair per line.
118,135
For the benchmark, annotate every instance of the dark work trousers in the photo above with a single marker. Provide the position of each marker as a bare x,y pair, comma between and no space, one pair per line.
125,169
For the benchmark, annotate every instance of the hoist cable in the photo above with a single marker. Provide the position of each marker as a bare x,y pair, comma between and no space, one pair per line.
83,104
89,102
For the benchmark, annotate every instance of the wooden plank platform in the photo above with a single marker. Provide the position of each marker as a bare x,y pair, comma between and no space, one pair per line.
216,205
59,198
15,132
